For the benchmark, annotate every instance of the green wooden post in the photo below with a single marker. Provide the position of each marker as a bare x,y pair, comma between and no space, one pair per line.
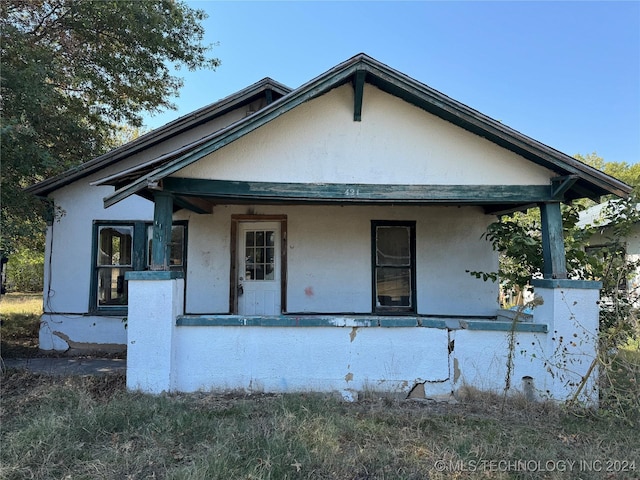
555,264
162,220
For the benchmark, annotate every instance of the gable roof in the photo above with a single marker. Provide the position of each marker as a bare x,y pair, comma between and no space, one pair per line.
266,87
575,179
580,180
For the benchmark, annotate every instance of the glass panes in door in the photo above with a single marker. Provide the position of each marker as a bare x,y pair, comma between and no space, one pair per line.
259,254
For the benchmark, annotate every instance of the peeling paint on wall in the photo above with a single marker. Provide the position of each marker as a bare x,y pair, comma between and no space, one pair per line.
348,377
354,332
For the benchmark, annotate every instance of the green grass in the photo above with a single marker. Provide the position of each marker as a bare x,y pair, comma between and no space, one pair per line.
91,427
20,322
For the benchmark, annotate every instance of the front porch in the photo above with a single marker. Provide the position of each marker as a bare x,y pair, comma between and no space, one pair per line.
546,355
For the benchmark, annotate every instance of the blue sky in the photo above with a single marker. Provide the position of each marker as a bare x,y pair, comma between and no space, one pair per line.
564,73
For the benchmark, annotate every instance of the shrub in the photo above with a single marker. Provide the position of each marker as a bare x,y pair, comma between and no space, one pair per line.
25,271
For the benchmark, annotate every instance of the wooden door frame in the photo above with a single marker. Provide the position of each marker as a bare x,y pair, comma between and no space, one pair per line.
233,277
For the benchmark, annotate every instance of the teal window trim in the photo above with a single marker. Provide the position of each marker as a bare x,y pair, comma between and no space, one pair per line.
393,309
139,259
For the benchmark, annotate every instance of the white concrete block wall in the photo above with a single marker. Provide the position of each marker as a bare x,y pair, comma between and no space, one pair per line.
571,310
151,353
324,359
349,360
480,360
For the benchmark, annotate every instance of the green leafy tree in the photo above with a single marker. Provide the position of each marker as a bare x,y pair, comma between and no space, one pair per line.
630,174
71,70
518,239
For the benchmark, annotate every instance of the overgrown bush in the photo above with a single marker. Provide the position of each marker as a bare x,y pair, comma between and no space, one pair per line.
25,271
518,240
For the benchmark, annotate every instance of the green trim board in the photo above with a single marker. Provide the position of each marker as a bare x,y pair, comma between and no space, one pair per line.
383,302
188,204
162,220
138,261
560,185
566,283
554,259
155,275
357,193
357,321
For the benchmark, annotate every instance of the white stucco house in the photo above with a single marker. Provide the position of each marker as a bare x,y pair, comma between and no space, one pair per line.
599,217
319,239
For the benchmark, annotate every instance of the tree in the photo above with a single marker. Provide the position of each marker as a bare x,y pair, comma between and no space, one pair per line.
71,70
518,237
630,174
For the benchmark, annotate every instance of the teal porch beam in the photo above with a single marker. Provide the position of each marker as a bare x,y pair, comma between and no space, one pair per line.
555,264
162,221
358,193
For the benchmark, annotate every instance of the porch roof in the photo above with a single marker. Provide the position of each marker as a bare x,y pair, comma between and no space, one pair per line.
574,178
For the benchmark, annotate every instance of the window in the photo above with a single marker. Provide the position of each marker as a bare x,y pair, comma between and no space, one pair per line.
394,272
259,254
120,247
114,259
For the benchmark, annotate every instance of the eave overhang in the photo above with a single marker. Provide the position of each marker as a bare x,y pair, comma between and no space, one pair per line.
266,88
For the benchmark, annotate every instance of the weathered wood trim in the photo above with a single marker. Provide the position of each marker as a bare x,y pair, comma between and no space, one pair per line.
555,265
341,321
413,307
359,193
358,88
564,283
155,275
465,117
499,210
561,185
171,129
196,205
162,221
410,90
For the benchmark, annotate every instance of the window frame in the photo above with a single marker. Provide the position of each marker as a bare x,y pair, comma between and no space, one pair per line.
139,258
412,308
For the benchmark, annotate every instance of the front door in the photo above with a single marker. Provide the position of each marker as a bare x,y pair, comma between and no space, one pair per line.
258,269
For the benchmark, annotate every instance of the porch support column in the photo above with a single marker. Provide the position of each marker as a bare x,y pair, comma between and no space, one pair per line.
155,301
566,356
555,264
162,221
